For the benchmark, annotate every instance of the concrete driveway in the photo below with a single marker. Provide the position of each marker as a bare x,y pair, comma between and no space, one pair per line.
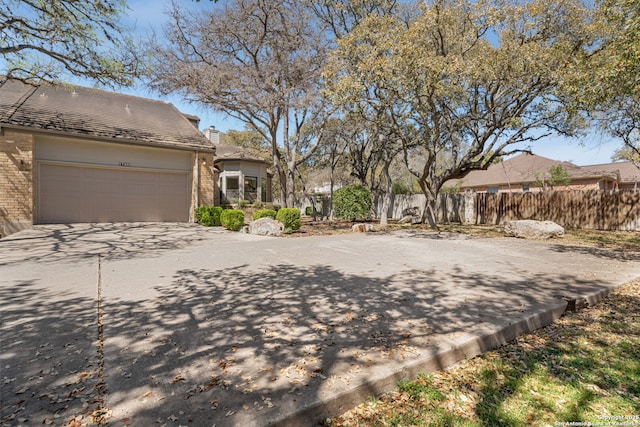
175,324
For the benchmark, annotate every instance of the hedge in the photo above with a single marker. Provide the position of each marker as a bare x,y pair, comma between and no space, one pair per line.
262,213
289,217
232,219
208,215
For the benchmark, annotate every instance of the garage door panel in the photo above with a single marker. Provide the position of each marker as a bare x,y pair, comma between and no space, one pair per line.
87,194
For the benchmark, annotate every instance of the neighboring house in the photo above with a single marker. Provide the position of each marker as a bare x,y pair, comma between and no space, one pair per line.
75,154
530,172
243,176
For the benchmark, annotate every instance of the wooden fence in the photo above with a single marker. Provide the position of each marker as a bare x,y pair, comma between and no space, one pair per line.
602,210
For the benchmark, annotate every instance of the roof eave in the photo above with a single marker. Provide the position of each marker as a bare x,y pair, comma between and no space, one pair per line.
185,146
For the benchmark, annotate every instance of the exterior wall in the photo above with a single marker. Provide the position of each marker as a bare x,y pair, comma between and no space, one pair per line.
242,169
16,182
208,180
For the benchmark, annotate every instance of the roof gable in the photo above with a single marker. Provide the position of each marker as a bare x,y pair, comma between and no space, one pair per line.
97,113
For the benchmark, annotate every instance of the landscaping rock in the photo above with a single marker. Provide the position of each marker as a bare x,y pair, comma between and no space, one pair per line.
266,227
410,216
530,229
362,228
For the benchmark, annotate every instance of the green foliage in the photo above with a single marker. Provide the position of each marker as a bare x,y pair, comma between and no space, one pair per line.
242,204
557,176
352,202
289,217
308,211
208,216
264,213
401,188
258,204
455,189
232,219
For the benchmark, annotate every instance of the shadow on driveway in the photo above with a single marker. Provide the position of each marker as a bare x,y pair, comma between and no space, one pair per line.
244,347
69,242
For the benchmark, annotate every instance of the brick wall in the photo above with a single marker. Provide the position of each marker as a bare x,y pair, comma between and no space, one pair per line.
16,181
208,181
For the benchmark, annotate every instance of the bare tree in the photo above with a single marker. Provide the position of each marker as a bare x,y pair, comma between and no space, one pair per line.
259,61
43,40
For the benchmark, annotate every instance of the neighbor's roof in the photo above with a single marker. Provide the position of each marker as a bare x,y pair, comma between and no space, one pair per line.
233,152
527,168
98,114
629,173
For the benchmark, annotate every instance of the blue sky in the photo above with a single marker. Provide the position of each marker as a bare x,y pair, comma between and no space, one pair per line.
147,15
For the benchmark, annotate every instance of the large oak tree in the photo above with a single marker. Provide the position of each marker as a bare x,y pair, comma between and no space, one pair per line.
459,83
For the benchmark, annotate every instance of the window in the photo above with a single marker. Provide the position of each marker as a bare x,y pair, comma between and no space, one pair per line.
233,183
492,190
250,183
526,188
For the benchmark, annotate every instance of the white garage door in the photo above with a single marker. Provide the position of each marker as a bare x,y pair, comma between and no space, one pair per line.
88,194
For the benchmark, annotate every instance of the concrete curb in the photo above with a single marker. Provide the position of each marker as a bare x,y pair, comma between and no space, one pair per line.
444,356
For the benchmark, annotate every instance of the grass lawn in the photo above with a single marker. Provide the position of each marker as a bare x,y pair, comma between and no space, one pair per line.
585,368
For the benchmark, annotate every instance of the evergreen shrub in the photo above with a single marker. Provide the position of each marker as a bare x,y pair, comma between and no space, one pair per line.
208,216
232,219
289,217
352,202
262,213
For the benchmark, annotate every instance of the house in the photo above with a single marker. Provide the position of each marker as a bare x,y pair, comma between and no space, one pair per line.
242,175
75,154
530,172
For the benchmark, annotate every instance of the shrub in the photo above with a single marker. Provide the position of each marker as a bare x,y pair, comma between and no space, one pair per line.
215,212
308,211
242,204
262,213
352,202
232,219
289,217
208,215
203,216
257,204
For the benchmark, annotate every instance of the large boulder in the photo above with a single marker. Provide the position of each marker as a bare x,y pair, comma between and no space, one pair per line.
530,229
266,227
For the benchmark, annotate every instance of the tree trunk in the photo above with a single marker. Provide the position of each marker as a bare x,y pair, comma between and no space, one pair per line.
386,196
331,196
290,201
429,212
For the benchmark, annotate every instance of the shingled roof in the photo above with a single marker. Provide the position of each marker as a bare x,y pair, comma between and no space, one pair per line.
528,168
97,114
232,152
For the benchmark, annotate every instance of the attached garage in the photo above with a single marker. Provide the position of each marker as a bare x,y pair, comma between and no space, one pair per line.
74,154
78,182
